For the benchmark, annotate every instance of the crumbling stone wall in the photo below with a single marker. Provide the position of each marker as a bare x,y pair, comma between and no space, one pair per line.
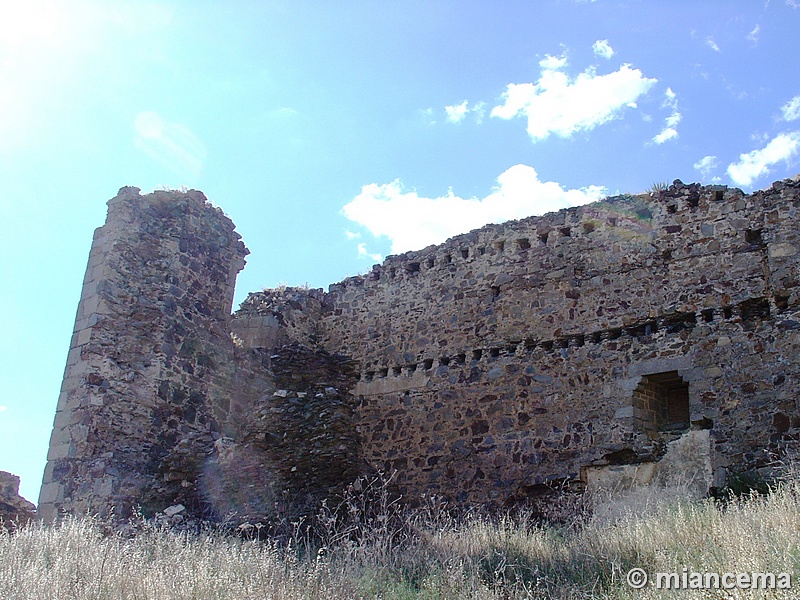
147,382
508,357
15,511
297,443
163,404
555,348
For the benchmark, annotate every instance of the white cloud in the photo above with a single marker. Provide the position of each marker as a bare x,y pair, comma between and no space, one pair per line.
603,49
712,44
707,165
479,110
173,145
457,112
553,63
411,221
668,133
671,122
756,163
791,110
351,235
561,106
426,115
3,408
753,35
363,253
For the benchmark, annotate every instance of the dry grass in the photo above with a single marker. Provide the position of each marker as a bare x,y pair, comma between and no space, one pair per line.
372,550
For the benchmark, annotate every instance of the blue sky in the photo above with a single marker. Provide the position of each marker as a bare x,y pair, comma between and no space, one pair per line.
335,133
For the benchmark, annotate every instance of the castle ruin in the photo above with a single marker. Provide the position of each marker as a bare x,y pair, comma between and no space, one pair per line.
606,341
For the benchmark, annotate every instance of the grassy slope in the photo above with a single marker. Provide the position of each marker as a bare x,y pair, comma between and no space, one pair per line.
425,556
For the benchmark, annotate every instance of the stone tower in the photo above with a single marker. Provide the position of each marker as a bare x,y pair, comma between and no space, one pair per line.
150,350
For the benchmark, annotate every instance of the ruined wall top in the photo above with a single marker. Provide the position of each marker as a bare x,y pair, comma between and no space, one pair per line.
196,228
577,273
546,278
622,218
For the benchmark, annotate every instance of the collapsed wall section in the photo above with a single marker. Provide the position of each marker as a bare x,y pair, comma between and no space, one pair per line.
147,384
299,437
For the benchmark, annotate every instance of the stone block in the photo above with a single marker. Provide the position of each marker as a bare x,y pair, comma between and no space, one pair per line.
60,451
50,494
624,412
660,365
629,384
782,250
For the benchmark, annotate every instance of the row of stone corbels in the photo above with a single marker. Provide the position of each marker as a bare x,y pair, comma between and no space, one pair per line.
747,311
520,236
487,243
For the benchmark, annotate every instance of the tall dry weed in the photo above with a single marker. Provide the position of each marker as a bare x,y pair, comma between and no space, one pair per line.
369,546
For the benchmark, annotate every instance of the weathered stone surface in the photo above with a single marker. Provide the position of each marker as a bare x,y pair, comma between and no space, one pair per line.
538,350
15,510
686,466
146,388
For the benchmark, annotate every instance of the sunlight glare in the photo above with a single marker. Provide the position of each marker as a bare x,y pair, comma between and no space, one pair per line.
29,24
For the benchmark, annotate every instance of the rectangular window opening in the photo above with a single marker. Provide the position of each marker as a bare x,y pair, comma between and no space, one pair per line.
661,403
753,237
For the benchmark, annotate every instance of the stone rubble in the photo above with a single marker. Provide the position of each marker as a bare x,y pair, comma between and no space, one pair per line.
15,511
